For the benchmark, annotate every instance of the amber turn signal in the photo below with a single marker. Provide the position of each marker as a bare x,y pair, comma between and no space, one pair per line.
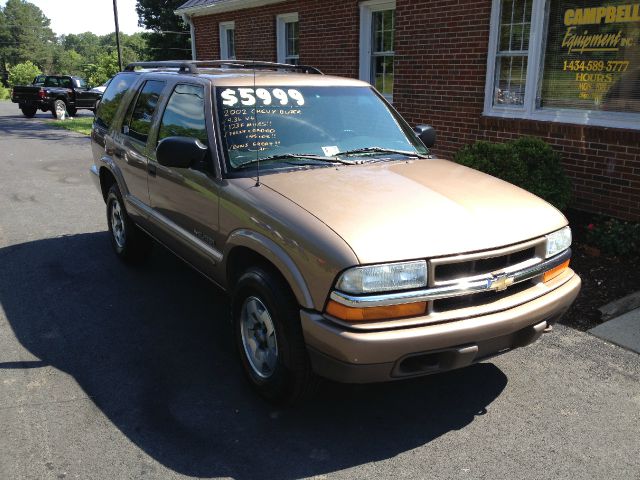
555,271
387,312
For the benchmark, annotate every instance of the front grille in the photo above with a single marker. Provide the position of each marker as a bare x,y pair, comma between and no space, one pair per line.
470,268
478,299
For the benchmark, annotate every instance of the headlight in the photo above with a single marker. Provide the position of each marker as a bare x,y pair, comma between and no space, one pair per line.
382,278
558,241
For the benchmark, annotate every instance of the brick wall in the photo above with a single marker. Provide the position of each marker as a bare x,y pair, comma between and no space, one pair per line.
441,58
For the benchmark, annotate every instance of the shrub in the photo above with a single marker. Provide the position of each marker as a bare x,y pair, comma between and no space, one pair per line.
5,93
615,237
527,162
23,73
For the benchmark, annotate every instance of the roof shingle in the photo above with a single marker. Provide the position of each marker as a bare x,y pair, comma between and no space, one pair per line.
197,3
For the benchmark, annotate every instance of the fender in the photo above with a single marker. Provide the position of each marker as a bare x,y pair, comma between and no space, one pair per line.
106,161
276,255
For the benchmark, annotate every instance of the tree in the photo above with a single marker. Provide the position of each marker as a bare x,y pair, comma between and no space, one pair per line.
23,73
88,45
170,36
101,71
27,36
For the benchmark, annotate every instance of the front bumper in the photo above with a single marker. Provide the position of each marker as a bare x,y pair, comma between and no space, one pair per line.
373,356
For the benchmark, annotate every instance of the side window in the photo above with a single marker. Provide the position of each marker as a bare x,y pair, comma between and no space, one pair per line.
112,98
139,123
184,115
66,83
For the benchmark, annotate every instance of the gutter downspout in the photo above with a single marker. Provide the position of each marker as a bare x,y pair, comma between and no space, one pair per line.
187,19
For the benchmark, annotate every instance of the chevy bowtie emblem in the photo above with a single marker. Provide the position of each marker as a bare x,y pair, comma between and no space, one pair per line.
500,282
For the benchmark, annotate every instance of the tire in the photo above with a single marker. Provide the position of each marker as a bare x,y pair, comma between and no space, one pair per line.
57,104
268,337
29,112
129,243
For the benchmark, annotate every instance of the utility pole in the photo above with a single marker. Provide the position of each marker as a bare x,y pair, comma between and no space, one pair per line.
115,16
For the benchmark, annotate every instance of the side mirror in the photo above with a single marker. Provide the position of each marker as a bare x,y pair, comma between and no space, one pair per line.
427,134
180,152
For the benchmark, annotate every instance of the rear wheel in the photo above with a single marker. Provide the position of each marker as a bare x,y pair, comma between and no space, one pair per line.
29,112
130,243
269,339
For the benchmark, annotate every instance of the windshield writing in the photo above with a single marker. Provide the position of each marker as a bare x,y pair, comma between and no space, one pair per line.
323,121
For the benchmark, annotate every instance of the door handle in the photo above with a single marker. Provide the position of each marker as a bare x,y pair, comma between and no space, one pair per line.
151,168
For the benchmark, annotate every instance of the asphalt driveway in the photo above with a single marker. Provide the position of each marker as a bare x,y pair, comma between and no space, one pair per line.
109,372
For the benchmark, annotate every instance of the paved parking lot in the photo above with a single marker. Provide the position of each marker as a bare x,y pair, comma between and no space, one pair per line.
109,372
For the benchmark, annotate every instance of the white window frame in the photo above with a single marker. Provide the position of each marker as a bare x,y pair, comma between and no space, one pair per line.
366,36
281,34
224,46
529,110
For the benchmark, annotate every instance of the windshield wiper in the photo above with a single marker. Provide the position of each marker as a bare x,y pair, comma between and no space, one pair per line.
377,150
298,156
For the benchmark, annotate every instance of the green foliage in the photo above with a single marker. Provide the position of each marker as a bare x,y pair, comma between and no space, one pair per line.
101,71
615,237
23,73
169,38
5,93
25,34
527,162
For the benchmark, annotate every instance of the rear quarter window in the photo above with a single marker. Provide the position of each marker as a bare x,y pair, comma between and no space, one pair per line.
112,98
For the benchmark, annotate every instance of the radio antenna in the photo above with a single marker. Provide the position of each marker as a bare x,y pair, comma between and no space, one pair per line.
255,105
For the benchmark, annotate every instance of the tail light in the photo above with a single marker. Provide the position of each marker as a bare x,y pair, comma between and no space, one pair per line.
42,93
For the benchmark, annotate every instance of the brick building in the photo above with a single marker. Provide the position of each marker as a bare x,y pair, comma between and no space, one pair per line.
564,70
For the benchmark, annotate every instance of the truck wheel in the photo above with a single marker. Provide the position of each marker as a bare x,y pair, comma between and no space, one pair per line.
58,105
268,337
29,112
130,243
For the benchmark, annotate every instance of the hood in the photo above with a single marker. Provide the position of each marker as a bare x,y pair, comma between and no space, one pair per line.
404,210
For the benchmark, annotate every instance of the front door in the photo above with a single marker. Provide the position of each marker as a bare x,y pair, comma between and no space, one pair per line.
84,97
185,200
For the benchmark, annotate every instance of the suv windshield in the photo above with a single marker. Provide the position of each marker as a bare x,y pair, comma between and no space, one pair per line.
285,124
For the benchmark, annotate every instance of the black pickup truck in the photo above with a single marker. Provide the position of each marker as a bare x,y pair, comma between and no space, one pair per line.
57,92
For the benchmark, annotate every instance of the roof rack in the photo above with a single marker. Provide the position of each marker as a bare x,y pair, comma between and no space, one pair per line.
191,66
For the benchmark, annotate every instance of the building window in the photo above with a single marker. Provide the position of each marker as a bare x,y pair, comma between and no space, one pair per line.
567,61
228,41
377,52
288,35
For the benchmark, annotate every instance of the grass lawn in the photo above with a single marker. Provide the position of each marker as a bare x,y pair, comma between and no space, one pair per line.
78,124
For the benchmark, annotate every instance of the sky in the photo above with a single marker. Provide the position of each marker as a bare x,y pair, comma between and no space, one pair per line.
78,16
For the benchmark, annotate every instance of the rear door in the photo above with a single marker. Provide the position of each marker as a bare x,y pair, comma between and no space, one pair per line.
130,149
109,105
185,200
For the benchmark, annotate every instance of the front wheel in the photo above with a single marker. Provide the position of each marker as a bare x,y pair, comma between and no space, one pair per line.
29,112
58,105
268,337
130,243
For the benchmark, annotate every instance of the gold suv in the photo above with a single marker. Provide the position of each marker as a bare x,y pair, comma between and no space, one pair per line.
349,251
